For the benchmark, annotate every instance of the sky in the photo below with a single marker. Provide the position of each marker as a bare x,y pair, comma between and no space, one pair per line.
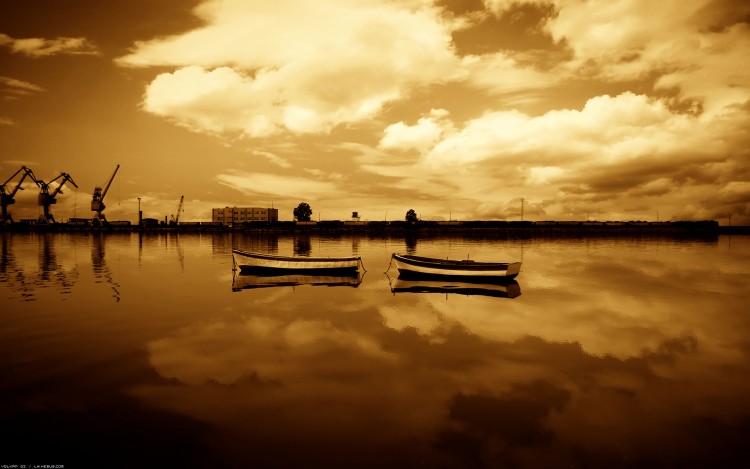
459,109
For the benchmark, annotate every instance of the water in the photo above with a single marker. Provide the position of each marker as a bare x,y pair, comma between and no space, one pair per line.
136,351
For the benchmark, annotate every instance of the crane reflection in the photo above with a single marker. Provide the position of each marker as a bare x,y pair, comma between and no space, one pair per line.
100,267
50,272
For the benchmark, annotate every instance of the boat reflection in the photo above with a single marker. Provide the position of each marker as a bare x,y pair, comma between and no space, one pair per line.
251,281
401,284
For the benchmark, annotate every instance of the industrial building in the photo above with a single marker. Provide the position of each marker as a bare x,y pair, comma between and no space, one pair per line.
235,215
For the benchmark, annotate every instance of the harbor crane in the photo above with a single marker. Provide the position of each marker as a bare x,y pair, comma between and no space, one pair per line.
97,201
7,195
46,199
176,216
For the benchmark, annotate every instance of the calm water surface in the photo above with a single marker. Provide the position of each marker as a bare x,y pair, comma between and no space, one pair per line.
144,351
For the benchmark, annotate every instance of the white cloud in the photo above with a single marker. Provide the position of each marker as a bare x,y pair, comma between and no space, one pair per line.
607,129
41,47
693,46
624,151
261,68
421,136
212,101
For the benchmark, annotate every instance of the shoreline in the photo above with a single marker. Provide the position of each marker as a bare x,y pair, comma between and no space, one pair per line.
495,228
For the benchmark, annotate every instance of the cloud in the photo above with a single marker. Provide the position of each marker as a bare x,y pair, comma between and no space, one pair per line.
298,341
697,47
502,73
273,158
272,184
457,120
40,47
607,130
737,191
627,151
262,68
15,87
421,136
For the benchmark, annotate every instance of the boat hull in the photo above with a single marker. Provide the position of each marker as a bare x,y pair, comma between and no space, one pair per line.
415,266
259,263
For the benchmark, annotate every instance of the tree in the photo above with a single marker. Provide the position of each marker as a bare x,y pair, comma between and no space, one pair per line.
302,212
411,216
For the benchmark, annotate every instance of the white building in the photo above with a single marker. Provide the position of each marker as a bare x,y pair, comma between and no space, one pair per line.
234,215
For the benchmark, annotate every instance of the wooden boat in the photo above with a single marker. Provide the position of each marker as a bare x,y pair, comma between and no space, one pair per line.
509,289
250,281
409,265
257,262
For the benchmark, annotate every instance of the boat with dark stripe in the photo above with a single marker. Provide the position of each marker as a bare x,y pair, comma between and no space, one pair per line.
258,262
409,265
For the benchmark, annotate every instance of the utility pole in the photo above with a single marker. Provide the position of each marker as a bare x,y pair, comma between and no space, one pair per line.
140,214
522,201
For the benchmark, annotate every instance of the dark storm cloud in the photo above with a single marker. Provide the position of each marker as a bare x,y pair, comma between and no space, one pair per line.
517,417
111,25
460,7
520,28
720,14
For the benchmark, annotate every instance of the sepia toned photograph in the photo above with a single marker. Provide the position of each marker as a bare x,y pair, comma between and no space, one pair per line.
374,233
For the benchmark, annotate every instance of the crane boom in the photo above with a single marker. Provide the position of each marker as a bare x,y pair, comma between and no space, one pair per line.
97,200
46,199
176,216
66,177
26,172
2,188
8,197
110,182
